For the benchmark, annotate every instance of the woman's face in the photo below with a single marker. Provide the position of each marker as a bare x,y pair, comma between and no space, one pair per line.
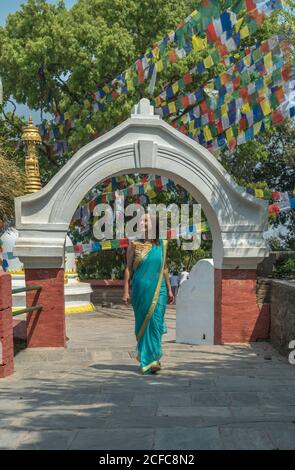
145,223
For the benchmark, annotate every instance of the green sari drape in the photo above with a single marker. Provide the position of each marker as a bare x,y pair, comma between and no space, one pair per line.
149,299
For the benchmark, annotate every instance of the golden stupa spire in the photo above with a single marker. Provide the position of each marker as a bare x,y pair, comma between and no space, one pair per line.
32,138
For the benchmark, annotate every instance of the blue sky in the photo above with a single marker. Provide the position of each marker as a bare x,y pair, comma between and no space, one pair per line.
10,6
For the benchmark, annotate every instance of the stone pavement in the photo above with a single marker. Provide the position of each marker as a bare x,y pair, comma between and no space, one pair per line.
91,395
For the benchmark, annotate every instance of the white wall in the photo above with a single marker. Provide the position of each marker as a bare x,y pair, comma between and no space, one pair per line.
195,306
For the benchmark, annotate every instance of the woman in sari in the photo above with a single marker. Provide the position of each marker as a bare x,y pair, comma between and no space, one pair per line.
146,267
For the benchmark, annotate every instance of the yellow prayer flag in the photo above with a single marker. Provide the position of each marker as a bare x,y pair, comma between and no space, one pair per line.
159,65
66,115
172,107
156,52
175,87
198,43
246,108
224,110
209,86
106,245
257,127
228,98
268,61
61,129
191,125
158,101
207,133
247,60
152,193
130,85
265,107
244,32
238,24
259,193
268,79
208,62
229,134
109,188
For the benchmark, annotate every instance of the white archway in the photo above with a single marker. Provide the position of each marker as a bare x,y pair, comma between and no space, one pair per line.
144,143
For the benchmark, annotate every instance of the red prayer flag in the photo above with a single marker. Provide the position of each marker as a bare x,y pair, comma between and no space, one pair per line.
140,71
222,50
187,78
124,242
264,48
172,56
277,117
211,33
219,126
286,72
236,82
243,123
276,195
211,116
250,5
203,107
185,101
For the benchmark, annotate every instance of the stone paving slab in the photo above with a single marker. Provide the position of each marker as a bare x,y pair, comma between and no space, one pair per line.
92,396
179,438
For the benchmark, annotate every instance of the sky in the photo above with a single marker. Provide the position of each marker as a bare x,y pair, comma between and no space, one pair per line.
10,6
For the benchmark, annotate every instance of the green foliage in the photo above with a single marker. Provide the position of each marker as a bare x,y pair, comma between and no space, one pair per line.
102,265
12,184
284,242
285,268
267,162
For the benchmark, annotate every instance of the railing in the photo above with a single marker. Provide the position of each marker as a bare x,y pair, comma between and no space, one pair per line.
18,290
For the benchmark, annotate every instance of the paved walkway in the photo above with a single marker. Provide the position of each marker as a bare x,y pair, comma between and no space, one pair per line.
91,396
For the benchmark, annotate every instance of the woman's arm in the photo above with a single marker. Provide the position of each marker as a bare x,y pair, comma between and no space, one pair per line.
166,276
128,273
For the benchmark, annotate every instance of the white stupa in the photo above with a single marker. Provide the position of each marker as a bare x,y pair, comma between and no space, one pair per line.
77,294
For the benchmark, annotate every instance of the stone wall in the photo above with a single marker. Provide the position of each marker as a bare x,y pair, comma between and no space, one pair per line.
282,314
266,267
106,291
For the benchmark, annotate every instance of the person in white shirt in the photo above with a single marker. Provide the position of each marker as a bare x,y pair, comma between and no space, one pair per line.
184,275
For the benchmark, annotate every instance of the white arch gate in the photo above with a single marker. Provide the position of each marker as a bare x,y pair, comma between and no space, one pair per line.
145,143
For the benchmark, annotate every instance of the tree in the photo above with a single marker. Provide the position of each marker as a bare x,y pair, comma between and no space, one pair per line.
64,56
12,184
267,162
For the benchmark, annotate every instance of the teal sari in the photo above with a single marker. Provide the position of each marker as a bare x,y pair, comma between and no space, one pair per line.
149,299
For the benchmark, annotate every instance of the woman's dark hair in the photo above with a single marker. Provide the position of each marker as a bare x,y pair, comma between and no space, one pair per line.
155,220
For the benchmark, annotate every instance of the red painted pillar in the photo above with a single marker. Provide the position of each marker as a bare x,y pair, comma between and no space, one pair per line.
46,328
238,317
6,326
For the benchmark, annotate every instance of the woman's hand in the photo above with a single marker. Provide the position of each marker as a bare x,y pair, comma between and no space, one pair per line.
126,297
170,296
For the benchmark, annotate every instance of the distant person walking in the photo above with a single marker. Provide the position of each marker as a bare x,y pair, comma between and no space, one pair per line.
184,275
174,281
